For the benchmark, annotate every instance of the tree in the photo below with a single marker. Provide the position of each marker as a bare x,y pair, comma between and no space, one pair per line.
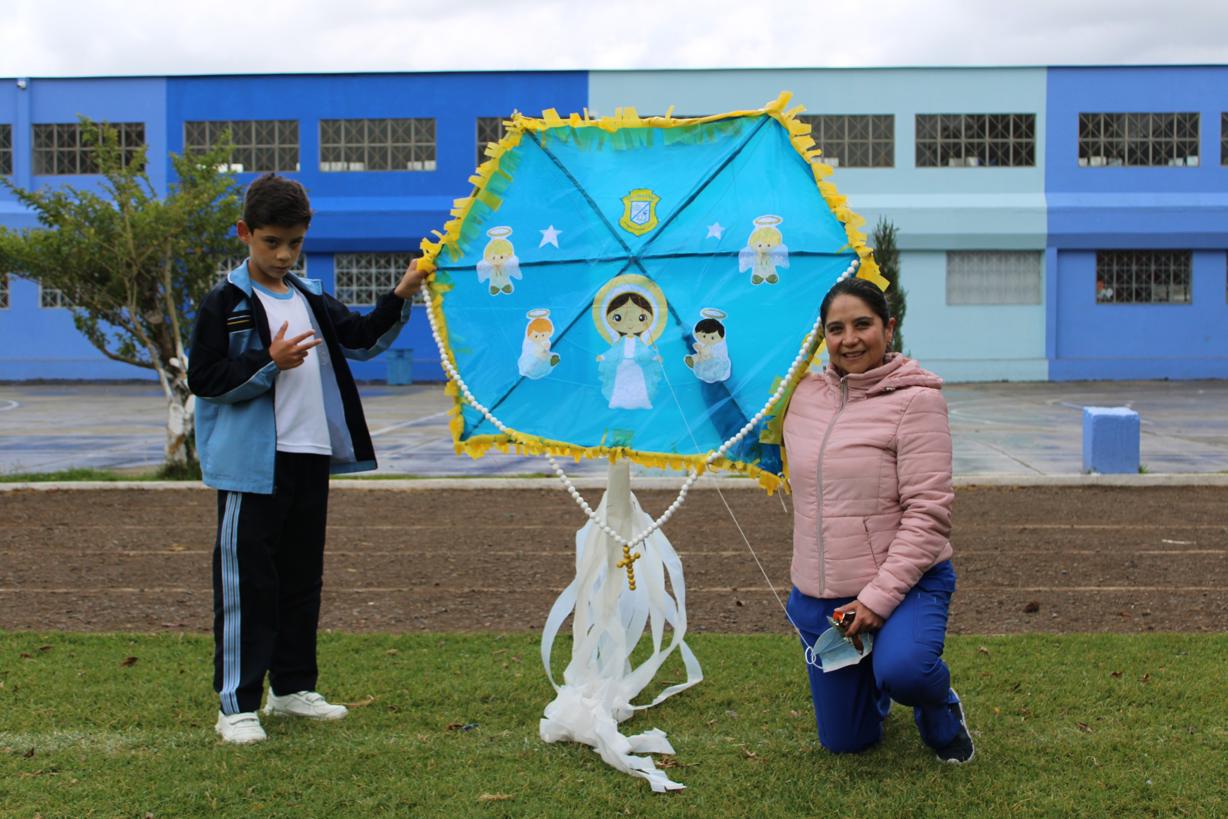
888,257
134,264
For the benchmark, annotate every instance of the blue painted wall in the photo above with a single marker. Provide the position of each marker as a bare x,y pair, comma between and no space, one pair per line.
1095,208
376,211
355,211
37,342
936,209
1056,207
1139,341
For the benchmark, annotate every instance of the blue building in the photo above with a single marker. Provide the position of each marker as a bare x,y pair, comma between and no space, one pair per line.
1051,219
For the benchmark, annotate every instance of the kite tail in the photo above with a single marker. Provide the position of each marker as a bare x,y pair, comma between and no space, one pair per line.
609,620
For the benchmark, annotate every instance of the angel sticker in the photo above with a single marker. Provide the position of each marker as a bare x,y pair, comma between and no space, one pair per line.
710,360
536,359
499,264
764,252
629,312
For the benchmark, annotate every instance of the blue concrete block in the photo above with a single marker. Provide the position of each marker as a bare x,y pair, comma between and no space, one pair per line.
1110,440
400,366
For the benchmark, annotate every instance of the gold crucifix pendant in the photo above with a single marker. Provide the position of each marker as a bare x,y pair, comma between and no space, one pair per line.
628,563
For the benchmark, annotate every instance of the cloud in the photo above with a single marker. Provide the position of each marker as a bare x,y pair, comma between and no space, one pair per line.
102,37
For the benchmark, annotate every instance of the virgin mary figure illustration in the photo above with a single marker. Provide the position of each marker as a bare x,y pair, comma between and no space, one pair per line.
710,360
765,251
629,312
536,359
499,264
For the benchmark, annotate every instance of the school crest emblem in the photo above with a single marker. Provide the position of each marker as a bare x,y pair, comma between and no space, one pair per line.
639,211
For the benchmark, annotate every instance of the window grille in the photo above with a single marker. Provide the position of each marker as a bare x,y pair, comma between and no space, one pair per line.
6,149
490,129
1138,140
1223,139
854,140
4,291
49,297
377,145
994,277
976,140
259,145
1143,276
361,278
60,149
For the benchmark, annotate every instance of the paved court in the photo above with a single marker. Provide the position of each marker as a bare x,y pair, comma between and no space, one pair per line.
1027,429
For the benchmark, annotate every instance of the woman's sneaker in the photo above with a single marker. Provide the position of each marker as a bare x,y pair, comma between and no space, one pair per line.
959,750
303,704
240,729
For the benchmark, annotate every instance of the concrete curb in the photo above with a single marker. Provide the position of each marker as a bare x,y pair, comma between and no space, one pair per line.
435,484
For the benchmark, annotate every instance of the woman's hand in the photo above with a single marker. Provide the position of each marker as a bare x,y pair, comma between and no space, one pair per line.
864,619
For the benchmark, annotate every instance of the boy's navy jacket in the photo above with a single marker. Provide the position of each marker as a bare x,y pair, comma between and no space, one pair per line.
233,376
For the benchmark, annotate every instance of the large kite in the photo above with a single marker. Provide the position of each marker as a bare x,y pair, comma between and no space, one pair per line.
646,290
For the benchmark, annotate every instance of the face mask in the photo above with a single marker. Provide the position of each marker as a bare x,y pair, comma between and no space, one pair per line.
834,651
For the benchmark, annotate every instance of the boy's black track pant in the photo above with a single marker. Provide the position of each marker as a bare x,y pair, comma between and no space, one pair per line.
268,568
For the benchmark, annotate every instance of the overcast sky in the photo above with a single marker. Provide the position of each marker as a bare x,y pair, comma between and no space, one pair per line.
109,37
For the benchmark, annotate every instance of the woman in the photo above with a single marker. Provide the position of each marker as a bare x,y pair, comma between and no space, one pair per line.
869,452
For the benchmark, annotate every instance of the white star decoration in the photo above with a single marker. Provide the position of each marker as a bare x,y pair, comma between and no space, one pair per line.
715,230
550,236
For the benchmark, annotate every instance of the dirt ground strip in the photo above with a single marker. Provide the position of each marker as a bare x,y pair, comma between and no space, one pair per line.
1029,559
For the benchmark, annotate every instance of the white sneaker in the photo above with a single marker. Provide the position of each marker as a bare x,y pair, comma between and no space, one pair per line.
303,704
240,729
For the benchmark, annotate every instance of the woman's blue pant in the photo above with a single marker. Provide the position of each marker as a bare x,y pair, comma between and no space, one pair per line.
906,666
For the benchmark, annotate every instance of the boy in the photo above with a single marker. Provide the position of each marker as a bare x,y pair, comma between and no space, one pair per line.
278,412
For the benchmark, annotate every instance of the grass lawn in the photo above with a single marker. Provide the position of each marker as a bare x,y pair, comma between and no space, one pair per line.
1088,725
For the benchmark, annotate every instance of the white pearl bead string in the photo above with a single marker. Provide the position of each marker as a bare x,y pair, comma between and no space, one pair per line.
692,475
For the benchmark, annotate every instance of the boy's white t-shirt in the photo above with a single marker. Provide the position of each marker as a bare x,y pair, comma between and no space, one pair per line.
298,398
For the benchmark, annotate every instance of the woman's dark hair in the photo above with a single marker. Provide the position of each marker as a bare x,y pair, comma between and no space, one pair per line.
629,298
710,325
862,289
277,201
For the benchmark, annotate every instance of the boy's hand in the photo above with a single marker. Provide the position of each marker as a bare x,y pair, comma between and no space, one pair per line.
289,353
411,281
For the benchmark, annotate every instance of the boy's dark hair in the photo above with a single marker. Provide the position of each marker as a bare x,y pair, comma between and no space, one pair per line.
710,325
629,297
862,289
277,201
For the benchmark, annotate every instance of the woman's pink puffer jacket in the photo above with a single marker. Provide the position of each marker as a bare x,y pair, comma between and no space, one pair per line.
870,465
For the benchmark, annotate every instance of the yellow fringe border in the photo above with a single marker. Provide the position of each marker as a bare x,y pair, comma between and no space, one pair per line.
491,178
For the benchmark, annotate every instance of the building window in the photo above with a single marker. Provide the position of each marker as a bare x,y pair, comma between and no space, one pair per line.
994,277
976,140
59,148
362,278
259,144
6,149
226,264
854,140
1138,140
377,145
1223,139
490,129
51,298
1143,276
4,291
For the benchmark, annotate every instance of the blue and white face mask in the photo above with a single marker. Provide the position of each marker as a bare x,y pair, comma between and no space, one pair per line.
834,651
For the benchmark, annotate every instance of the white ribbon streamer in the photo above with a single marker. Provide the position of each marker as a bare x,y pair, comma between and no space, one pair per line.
609,620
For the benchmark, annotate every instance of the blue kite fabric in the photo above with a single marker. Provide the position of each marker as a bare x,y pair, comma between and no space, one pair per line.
627,287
